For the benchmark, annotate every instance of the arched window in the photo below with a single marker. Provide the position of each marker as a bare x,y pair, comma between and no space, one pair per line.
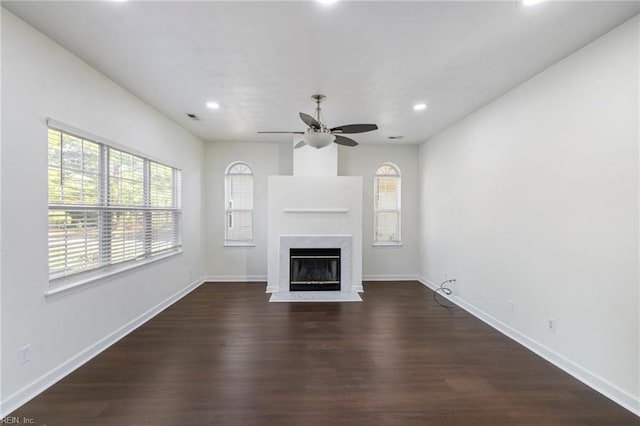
238,203
386,204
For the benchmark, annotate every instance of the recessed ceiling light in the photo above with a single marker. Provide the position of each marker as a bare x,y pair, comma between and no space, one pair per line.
213,105
420,107
327,1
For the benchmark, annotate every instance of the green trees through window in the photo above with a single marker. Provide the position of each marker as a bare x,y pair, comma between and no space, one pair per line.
107,206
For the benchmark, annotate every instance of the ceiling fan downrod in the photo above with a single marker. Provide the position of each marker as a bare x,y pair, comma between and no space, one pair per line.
318,98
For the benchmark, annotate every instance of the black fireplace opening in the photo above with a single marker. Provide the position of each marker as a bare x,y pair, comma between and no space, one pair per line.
314,269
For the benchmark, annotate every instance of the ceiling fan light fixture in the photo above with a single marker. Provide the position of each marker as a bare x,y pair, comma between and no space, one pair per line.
318,139
318,135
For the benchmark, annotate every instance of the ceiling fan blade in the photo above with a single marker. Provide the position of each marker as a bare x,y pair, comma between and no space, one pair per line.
299,145
355,128
310,121
295,133
341,140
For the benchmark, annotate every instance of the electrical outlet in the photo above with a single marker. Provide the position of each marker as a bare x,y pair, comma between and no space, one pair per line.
551,325
24,354
512,305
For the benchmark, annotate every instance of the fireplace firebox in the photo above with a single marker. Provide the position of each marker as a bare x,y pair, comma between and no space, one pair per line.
314,269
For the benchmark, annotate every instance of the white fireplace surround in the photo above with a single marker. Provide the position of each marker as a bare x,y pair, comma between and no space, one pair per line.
348,292
314,212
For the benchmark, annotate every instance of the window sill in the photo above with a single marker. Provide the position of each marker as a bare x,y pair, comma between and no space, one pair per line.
62,285
229,244
387,244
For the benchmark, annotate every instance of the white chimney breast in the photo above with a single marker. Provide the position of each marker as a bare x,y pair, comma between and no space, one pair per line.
314,206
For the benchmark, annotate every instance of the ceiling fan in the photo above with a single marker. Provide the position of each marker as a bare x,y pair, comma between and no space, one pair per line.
318,135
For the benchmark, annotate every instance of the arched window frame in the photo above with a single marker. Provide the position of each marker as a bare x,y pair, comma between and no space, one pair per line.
385,172
231,238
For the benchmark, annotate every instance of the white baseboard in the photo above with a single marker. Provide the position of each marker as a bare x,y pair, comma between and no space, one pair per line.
405,277
235,278
606,388
33,389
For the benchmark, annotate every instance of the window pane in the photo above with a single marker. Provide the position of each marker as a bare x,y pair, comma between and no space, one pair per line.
387,193
90,157
386,170
386,204
239,168
127,236
55,149
240,191
163,232
161,191
126,179
387,226
74,241
55,160
73,172
239,203
239,226
71,152
55,185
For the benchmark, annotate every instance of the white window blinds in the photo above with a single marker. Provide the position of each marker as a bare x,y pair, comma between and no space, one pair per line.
107,206
238,204
386,204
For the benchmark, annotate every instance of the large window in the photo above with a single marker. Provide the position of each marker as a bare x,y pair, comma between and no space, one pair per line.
238,204
386,205
108,206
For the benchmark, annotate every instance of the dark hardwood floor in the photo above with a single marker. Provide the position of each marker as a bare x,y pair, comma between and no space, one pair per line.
223,355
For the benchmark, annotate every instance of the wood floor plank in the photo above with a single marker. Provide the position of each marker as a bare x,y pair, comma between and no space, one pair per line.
223,355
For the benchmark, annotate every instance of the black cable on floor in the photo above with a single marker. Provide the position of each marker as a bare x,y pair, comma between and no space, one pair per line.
444,290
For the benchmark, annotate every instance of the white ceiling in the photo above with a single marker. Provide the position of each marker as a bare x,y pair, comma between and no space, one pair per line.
261,61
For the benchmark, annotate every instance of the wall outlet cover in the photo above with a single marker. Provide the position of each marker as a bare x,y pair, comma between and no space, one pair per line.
24,354
551,324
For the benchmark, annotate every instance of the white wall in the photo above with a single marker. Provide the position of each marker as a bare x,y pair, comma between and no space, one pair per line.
242,263
534,199
386,262
40,80
265,159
